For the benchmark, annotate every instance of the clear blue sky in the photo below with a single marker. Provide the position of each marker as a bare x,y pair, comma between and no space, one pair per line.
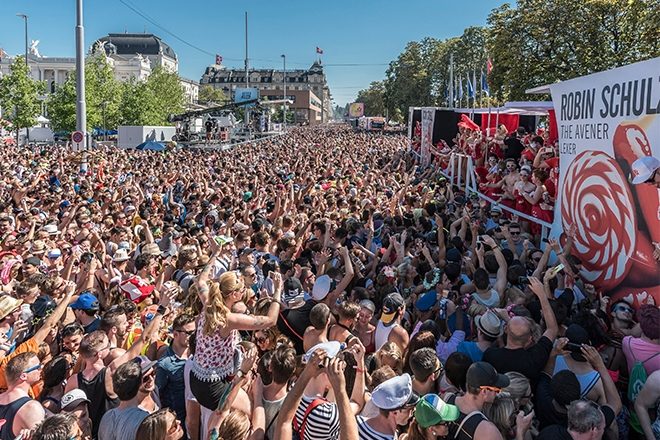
357,31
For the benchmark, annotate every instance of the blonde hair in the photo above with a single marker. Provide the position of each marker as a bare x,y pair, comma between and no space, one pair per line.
216,311
499,412
236,426
519,386
390,349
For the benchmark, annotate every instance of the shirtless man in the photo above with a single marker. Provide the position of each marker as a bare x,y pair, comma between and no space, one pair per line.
316,333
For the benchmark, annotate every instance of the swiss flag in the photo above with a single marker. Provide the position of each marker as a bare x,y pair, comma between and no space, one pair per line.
136,289
489,66
319,50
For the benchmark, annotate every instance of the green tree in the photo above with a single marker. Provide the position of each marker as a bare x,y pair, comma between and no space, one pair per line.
544,41
62,106
373,98
19,95
165,94
137,105
102,96
209,94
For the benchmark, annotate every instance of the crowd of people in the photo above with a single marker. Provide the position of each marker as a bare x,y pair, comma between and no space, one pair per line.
316,285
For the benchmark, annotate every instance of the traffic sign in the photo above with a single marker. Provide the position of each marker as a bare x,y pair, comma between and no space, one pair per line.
78,140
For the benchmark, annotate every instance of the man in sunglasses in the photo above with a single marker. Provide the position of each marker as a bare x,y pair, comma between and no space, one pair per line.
169,370
483,384
17,409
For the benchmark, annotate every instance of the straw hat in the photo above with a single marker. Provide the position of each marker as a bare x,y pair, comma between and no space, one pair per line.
8,304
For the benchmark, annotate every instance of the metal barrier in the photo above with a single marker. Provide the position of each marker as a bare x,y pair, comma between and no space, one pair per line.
462,175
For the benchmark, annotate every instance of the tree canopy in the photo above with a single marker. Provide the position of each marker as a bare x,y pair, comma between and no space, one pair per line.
532,43
19,95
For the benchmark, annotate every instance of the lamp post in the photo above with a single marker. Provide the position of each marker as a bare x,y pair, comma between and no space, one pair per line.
105,129
25,19
81,105
284,103
27,67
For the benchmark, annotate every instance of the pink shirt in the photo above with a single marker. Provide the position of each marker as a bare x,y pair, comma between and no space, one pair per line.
636,349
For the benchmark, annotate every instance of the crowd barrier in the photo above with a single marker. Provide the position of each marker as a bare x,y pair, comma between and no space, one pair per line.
462,175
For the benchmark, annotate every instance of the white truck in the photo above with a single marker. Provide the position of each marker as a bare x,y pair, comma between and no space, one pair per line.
130,136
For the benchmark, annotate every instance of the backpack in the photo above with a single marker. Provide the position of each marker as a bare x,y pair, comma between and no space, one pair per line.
299,430
636,381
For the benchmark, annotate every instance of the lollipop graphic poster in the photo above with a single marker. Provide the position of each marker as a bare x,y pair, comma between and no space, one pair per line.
606,121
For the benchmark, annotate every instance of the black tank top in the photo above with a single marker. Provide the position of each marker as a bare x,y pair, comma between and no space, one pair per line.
7,414
99,401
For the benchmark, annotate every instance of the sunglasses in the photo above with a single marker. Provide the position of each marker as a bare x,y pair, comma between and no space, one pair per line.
189,332
148,376
623,309
489,388
514,232
33,368
260,340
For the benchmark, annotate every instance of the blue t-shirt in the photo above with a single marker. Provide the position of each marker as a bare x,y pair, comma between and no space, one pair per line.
471,349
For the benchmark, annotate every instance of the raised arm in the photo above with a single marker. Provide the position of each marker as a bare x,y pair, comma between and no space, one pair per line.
335,371
239,321
500,284
552,329
54,318
611,394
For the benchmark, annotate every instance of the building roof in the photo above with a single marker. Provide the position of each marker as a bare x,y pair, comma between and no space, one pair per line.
131,44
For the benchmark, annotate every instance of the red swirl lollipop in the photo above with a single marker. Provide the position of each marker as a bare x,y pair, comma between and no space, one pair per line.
597,199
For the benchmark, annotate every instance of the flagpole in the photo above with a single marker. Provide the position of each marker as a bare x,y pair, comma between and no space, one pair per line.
451,80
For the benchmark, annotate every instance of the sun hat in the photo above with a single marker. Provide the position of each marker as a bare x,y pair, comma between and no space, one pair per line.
151,249
120,255
431,410
394,393
322,287
8,304
643,168
51,229
490,324
38,247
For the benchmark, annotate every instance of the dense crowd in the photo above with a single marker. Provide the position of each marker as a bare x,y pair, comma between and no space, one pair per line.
316,285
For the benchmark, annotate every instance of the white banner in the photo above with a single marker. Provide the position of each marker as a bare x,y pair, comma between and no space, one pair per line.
428,118
606,121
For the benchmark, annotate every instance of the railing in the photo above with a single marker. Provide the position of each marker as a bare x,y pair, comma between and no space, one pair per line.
461,174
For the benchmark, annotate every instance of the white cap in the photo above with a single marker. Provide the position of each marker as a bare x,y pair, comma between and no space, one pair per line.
120,255
394,393
331,349
73,398
321,287
643,168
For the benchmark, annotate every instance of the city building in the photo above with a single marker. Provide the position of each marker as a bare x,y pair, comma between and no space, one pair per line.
308,89
135,55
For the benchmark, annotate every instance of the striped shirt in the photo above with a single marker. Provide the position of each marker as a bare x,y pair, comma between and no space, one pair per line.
322,421
366,432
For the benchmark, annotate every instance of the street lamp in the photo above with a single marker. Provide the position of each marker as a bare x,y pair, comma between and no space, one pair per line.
27,67
284,103
105,129
25,19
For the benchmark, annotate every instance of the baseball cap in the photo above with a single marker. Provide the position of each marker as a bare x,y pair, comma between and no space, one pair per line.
124,245
483,374
643,168
576,334
43,306
394,393
86,301
145,363
391,305
426,301
246,251
73,398
33,261
489,323
322,287
495,208
331,348
54,254
431,410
